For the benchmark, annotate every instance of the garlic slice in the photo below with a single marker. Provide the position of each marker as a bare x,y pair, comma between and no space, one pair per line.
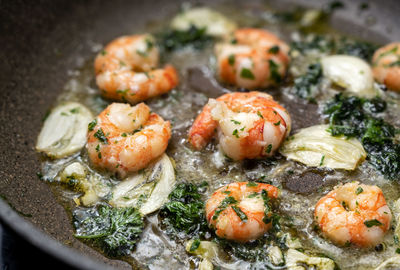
314,146
351,73
64,131
215,23
147,190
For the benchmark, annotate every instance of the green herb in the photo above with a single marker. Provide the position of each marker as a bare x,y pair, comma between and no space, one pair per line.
141,53
184,212
251,184
359,190
398,250
356,117
240,213
315,43
122,92
92,125
103,52
97,148
274,71
305,86
235,133
100,136
264,196
260,114
247,74
235,122
395,64
195,245
223,205
396,239
363,50
114,230
372,222
231,59
64,114
322,160
75,110
253,195
172,40
274,50
124,134
269,148
149,44
277,123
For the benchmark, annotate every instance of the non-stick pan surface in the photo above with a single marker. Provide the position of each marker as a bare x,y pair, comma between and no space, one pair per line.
39,42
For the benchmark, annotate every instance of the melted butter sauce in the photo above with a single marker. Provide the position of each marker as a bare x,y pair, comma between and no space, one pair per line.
155,250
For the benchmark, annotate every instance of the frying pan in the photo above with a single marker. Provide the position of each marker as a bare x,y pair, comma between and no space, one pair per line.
39,42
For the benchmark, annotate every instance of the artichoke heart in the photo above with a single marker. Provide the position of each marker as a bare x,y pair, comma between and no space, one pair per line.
351,73
315,146
147,190
215,23
64,131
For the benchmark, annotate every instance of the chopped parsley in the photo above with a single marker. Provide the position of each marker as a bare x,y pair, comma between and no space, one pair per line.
260,115
247,74
269,148
236,133
92,125
224,204
359,190
100,136
322,160
274,71
195,245
372,222
305,86
75,110
274,50
277,123
124,134
251,184
231,59
235,122
239,212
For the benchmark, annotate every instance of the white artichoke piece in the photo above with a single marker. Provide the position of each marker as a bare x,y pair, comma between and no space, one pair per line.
275,255
351,73
64,131
390,264
294,259
216,24
147,190
315,147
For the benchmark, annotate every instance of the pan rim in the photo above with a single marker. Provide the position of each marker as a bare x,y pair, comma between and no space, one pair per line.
45,243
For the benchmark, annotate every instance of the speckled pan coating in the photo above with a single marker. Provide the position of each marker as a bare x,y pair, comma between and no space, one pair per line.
39,42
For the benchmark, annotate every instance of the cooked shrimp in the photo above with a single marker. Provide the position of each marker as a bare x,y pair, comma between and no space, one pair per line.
256,59
126,139
126,70
241,211
386,65
354,214
249,125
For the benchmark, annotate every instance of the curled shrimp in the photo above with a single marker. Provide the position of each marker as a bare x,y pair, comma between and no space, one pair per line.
126,139
241,211
386,66
249,125
354,214
256,59
126,70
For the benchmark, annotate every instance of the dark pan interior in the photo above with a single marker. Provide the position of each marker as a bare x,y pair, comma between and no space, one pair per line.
40,41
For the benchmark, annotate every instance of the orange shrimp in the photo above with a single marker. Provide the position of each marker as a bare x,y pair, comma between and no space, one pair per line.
240,211
126,139
354,214
256,59
126,70
250,125
386,66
